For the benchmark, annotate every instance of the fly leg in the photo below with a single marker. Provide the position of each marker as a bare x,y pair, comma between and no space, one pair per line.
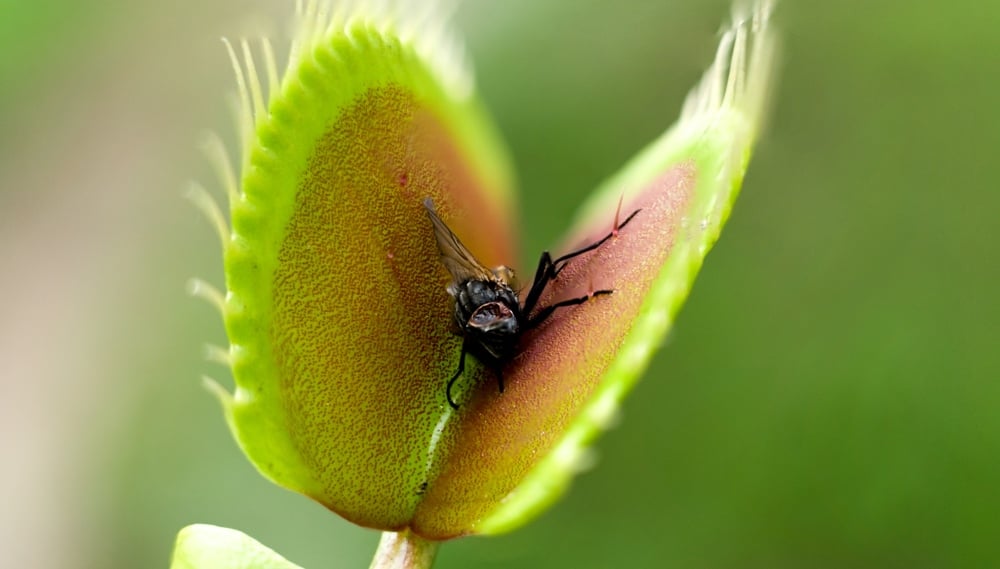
461,368
548,310
565,258
549,269
543,274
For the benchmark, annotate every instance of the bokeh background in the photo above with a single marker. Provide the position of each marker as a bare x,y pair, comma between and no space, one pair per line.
830,396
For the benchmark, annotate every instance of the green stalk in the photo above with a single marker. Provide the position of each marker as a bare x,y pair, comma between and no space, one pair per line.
404,550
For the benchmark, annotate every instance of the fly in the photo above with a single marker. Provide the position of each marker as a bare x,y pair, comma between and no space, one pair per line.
487,308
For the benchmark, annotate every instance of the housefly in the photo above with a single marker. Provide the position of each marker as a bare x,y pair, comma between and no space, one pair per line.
487,308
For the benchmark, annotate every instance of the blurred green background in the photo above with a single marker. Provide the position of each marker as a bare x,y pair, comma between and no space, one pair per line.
830,395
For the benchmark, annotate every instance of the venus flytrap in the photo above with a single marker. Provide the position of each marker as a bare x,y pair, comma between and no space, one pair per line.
341,332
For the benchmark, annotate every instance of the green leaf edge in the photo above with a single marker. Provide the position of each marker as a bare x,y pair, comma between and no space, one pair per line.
204,546
716,133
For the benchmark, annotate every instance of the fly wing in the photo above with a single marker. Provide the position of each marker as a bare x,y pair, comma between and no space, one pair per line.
456,258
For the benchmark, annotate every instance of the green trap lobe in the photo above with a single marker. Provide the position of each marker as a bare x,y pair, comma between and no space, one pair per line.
500,438
361,317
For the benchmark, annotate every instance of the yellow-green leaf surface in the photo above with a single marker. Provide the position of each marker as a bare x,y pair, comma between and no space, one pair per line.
337,314
203,546
341,329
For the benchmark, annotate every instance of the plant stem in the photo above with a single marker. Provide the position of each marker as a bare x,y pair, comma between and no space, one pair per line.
404,550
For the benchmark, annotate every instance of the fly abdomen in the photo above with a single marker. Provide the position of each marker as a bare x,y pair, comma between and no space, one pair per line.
496,330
